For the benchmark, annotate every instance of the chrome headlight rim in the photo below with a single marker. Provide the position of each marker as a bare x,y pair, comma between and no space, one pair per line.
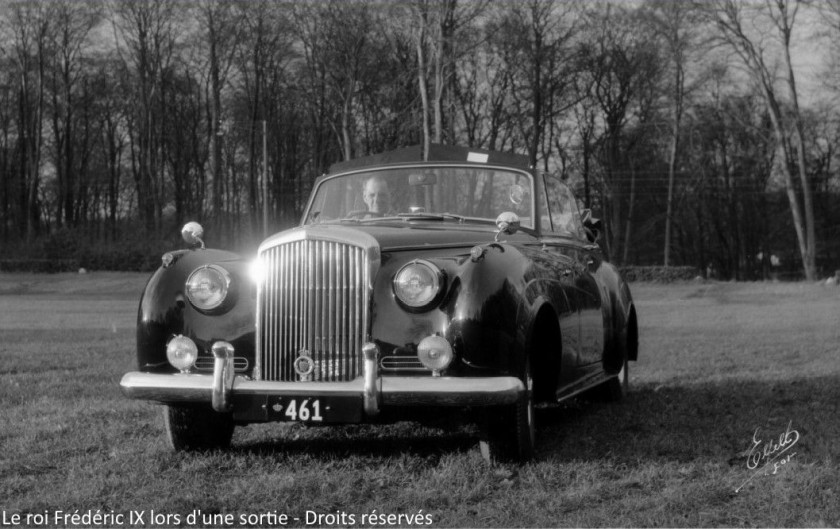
438,286
225,281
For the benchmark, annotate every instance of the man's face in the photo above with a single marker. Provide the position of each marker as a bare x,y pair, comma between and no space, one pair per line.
376,196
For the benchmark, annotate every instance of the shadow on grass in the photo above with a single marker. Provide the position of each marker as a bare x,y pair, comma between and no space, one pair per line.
369,443
429,436
709,423
705,423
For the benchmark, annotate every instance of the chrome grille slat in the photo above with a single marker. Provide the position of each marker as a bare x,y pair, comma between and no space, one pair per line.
206,363
314,298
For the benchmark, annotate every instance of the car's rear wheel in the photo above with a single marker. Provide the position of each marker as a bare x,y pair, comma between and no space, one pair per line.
508,433
194,428
617,387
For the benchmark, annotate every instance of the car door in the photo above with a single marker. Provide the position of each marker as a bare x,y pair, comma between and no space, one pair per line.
568,239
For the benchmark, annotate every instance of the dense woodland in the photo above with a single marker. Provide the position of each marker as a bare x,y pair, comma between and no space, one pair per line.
680,123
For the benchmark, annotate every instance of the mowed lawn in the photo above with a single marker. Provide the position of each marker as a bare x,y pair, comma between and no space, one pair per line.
720,364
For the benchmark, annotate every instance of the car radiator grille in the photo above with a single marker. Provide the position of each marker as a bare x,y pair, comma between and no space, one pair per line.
313,302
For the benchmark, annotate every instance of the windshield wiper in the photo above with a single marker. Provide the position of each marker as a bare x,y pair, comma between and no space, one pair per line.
431,216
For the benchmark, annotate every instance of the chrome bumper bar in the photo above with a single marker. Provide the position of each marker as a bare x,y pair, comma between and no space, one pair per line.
389,391
376,390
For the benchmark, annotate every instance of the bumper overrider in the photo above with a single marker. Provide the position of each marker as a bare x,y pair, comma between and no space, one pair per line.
259,400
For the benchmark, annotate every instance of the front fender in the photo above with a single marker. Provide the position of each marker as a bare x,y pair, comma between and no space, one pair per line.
493,309
165,311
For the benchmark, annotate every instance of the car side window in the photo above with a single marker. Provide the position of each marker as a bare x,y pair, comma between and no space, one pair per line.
563,210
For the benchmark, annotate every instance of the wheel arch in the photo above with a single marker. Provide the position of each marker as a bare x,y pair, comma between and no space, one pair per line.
544,348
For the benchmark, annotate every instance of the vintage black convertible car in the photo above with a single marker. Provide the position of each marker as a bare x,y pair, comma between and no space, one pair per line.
467,281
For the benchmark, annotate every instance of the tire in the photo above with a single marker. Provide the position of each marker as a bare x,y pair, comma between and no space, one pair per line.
508,434
191,428
616,388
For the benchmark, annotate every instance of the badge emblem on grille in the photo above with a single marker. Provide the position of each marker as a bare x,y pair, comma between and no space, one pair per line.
304,365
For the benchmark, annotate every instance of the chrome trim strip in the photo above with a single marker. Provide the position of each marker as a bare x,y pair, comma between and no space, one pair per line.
206,364
394,391
450,391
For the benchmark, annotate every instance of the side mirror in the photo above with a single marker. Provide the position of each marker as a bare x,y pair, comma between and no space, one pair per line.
192,232
591,225
508,223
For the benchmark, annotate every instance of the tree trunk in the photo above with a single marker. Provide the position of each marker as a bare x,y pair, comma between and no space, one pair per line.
672,165
628,228
422,82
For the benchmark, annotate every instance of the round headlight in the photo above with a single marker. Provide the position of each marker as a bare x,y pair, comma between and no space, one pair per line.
418,283
181,352
435,353
207,287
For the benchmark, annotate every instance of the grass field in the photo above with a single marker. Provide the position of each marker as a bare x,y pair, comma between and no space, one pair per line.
720,363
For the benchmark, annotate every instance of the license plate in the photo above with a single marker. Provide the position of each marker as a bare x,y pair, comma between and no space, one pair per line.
316,410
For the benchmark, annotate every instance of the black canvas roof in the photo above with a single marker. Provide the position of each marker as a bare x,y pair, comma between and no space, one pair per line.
437,153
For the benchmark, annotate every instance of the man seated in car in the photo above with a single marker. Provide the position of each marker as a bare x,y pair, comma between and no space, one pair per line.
377,196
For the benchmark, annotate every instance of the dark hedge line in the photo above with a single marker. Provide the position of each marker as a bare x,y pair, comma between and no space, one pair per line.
114,261
48,266
67,250
117,261
123,260
659,274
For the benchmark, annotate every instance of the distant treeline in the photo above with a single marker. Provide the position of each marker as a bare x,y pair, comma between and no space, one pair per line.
678,123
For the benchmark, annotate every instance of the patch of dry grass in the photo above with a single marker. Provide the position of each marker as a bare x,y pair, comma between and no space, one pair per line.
717,362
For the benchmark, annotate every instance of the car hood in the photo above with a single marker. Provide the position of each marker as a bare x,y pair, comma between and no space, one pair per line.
393,236
397,236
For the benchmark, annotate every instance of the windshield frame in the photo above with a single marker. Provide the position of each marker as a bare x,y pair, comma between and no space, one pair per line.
420,165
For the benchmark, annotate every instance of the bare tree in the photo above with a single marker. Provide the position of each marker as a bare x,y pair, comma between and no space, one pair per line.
73,23
830,11
336,37
624,64
675,23
536,40
146,37
437,26
220,31
29,25
727,16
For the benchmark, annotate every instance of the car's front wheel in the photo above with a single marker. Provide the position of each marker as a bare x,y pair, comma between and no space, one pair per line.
508,433
194,428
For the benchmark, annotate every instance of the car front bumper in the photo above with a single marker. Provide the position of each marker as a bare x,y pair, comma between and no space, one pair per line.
245,397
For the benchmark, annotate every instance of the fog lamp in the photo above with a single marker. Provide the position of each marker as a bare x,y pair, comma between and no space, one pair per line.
435,353
181,352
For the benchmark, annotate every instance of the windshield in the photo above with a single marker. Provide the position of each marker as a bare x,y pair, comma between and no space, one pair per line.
440,193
